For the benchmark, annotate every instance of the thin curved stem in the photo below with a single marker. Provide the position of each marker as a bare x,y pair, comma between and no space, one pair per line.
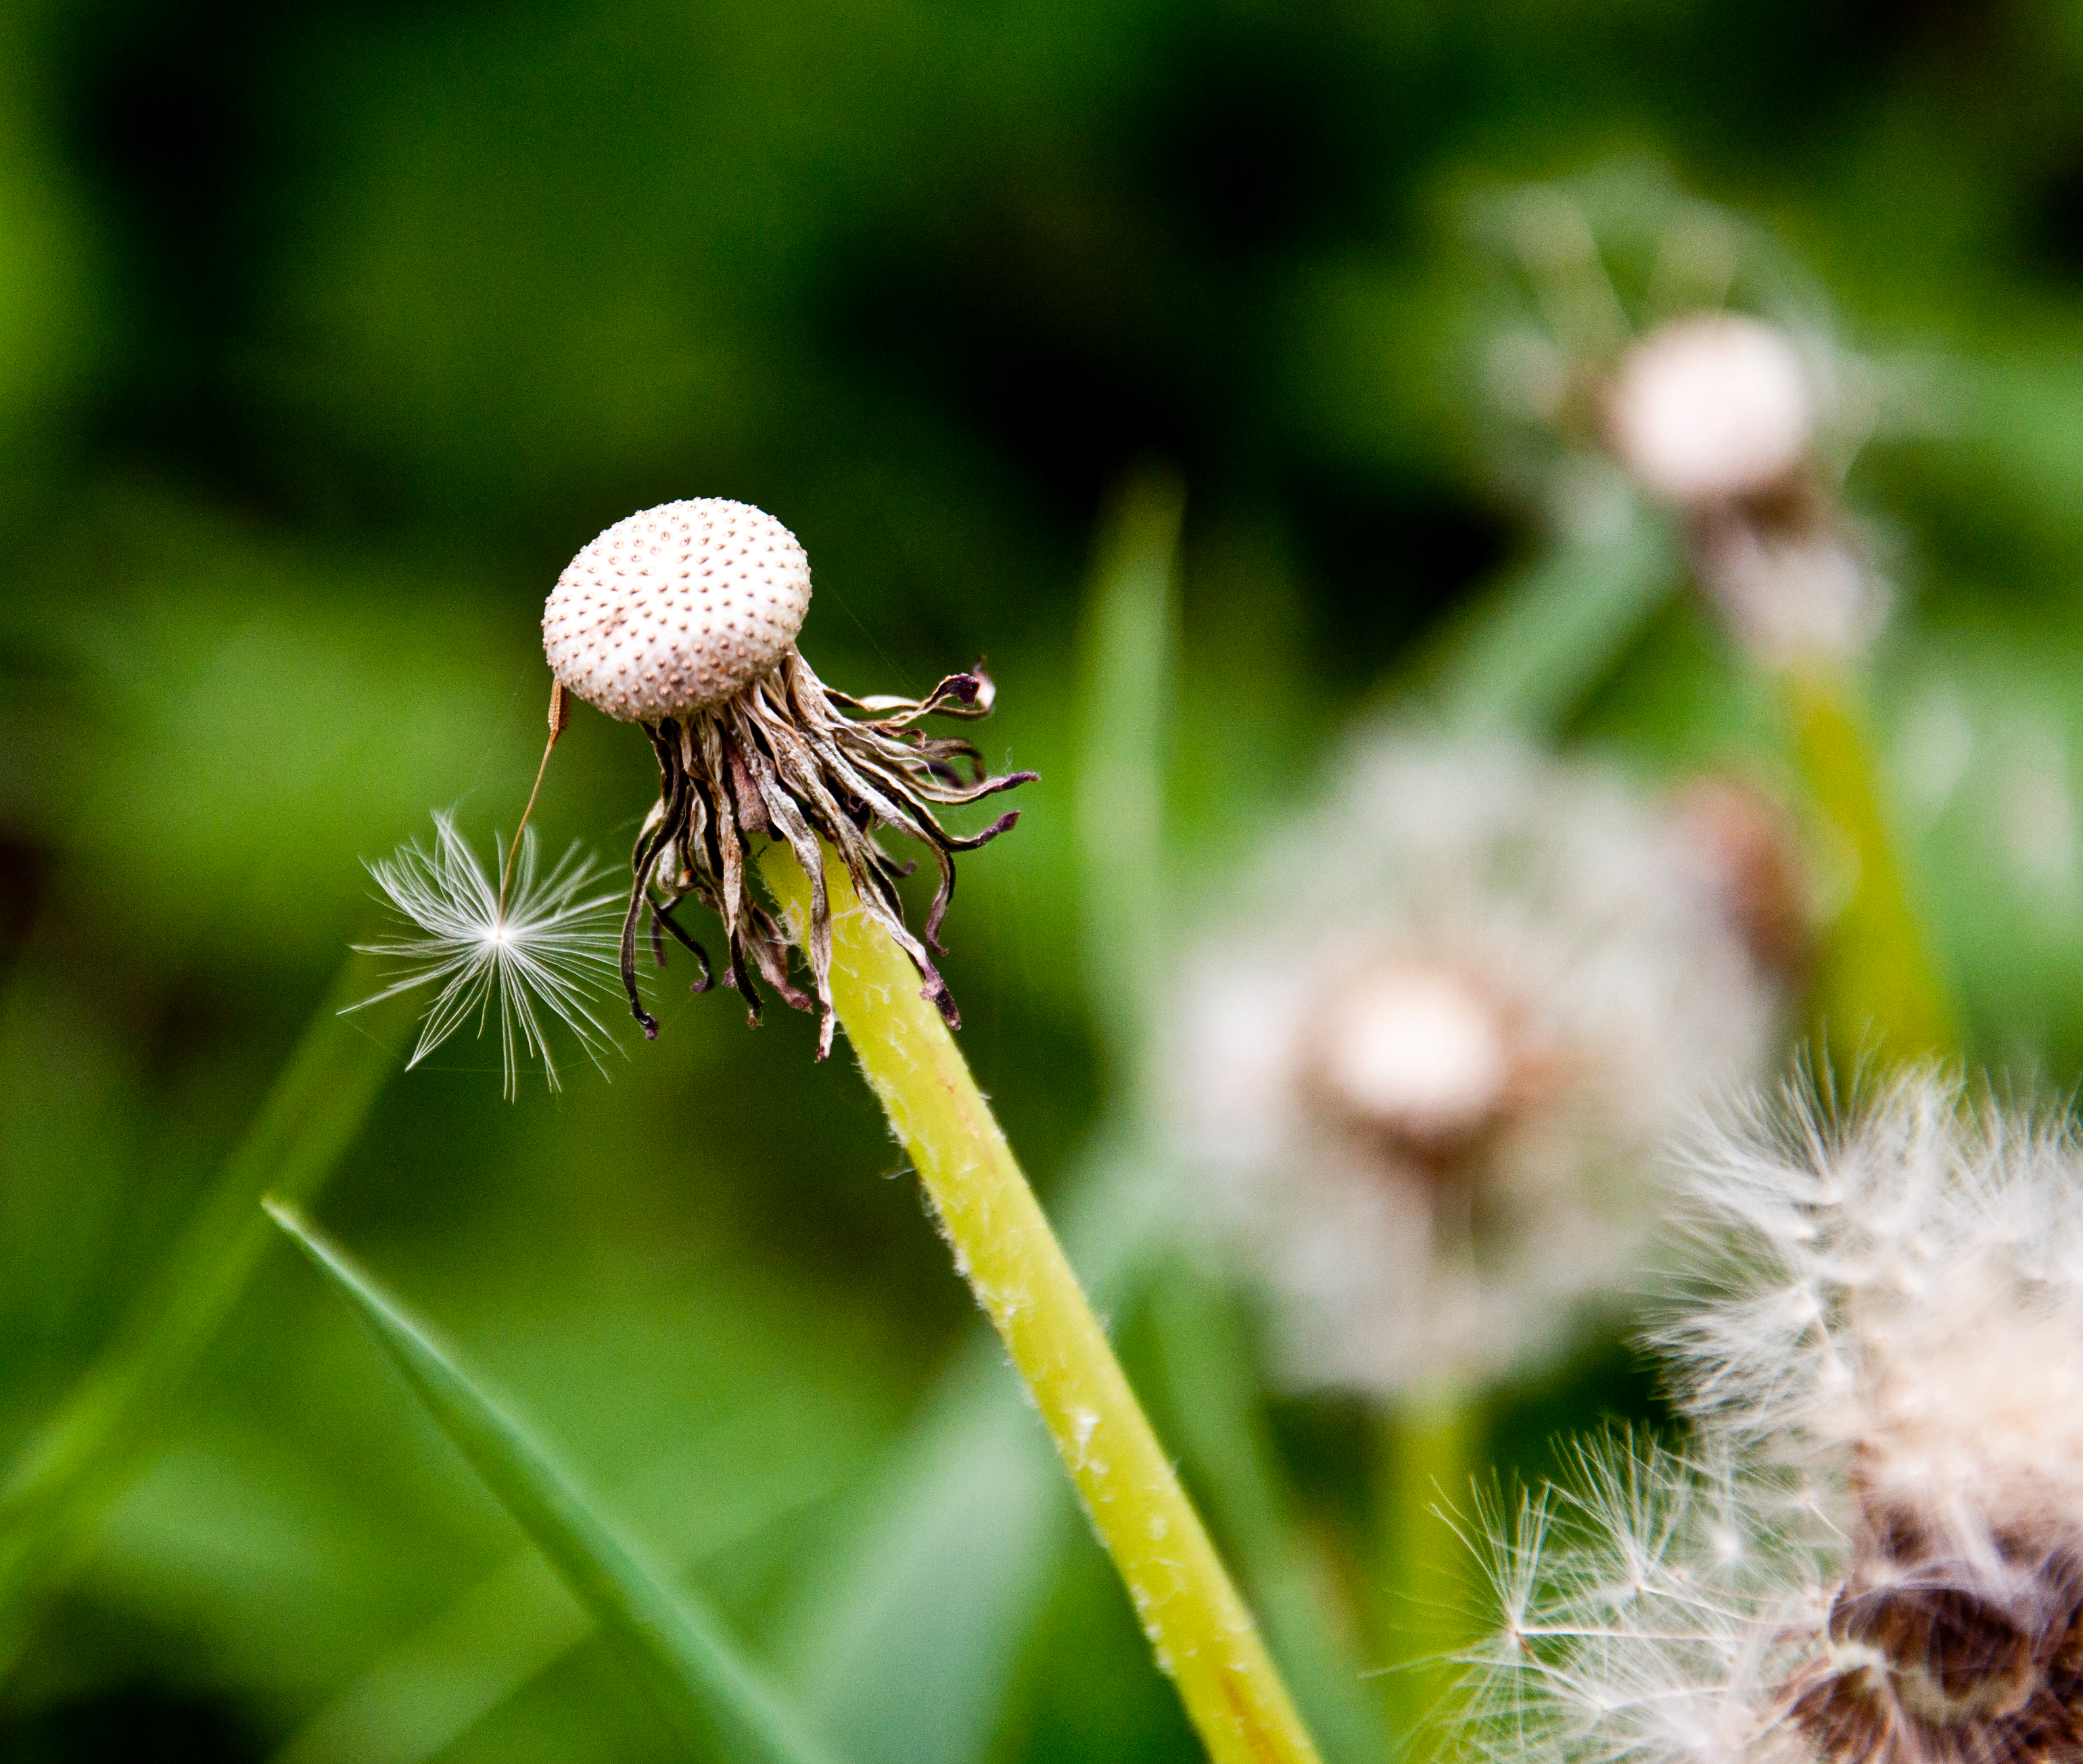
1203,1636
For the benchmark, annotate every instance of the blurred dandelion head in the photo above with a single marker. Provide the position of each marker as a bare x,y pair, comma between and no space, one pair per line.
1711,407
1670,339
1886,1337
1428,1050
546,955
683,618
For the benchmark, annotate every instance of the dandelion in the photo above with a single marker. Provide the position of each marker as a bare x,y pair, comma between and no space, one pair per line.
683,618
540,947
1711,408
1888,1318
1739,422
1652,1613
1427,1060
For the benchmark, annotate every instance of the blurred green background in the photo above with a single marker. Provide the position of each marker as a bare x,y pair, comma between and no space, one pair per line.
328,333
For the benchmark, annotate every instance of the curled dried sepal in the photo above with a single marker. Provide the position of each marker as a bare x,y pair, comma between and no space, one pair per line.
547,947
782,758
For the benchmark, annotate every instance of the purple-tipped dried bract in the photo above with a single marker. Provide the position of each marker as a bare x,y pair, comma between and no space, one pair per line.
546,949
683,618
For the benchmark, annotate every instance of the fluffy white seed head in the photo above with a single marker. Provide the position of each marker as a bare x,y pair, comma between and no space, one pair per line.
1654,1611
1904,1288
1423,1057
1711,407
1790,591
1885,1352
676,608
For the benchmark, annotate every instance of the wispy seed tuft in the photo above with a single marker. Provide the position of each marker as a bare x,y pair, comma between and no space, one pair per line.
549,951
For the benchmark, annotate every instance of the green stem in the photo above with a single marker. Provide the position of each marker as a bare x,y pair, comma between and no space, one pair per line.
1427,1451
1204,1637
1879,984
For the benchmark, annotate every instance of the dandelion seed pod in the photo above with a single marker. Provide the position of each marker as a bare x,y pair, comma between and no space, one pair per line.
1711,409
676,608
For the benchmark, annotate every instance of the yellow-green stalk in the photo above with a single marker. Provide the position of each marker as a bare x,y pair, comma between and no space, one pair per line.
1426,1448
1879,989
1204,1637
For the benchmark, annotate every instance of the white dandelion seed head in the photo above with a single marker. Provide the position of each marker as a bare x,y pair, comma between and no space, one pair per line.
1896,1296
1711,408
1424,1056
1886,1316
1660,1609
676,608
1414,1050
549,955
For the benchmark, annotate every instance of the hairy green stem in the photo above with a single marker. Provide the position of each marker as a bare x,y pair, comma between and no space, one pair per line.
1203,1636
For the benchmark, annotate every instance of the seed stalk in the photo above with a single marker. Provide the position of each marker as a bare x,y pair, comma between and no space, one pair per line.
1204,1637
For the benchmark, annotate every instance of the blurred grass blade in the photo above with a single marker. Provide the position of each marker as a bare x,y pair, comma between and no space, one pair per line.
957,1535
712,1692
504,1631
79,1459
912,1638
1127,642
956,1539
1525,656
1213,1413
1879,988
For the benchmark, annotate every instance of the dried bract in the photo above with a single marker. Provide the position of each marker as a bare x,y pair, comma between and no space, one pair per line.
684,618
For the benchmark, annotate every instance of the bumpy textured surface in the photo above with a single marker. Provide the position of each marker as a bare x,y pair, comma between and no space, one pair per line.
676,608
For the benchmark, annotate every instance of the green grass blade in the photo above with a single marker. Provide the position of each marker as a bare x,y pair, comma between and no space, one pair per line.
699,1676
76,1463
1532,648
912,1636
506,1630
1128,641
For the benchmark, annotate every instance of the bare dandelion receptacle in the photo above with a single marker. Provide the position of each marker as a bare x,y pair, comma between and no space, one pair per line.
683,618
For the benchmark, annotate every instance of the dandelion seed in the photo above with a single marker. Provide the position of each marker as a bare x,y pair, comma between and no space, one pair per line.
548,952
1428,1054
683,618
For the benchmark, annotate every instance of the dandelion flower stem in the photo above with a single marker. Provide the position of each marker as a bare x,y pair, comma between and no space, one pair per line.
1204,1637
1427,1451
1879,978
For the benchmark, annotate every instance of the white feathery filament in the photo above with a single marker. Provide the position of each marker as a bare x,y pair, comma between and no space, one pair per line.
545,955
